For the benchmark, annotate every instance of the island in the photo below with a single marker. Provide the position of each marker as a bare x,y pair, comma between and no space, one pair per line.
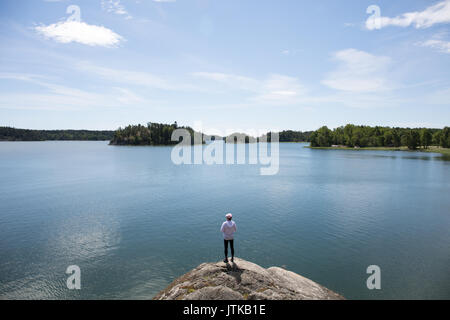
346,137
161,134
153,134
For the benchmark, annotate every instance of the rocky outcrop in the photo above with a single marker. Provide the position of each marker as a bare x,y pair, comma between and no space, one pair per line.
243,280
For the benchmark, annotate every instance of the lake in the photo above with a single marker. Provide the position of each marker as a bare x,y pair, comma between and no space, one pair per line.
133,221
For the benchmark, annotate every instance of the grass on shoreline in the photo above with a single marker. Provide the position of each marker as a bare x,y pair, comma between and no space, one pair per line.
433,149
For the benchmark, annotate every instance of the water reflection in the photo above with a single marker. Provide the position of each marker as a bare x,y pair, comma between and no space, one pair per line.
133,221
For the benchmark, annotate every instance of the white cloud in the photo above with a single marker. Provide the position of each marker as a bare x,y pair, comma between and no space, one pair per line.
128,97
136,78
20,76
441,45
291,52
275,89
81,32
230,80
54,96
358,71
125,76
438,13
115,7
280,89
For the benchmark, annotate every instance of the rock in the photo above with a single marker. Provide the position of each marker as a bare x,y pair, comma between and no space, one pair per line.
243,280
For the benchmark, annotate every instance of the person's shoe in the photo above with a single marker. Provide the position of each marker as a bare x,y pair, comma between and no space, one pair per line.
232,259
225,260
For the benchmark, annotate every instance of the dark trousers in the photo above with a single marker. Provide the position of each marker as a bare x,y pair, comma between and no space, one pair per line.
225,243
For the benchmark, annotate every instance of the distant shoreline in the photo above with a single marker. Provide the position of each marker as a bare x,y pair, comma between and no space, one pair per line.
15,134
431,149
60,140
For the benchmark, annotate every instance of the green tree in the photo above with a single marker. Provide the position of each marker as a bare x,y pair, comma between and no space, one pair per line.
324,137
437,138
396,137
445,138
366,136
388,138
425,137
313,140
412,139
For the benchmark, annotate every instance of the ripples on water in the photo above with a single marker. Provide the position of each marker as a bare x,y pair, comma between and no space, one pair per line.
133,221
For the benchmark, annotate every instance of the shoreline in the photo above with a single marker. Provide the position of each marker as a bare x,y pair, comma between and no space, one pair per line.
433,149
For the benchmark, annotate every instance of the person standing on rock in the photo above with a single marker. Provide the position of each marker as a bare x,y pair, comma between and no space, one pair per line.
228,229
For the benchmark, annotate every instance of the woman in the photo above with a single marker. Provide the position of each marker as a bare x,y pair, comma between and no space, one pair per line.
228,229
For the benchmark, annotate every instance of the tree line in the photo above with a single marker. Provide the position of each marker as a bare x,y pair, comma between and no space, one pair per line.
283,136
295,136
160,134
151,134
14,134
366,136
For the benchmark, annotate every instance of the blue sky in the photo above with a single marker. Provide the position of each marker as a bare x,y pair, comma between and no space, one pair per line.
233,65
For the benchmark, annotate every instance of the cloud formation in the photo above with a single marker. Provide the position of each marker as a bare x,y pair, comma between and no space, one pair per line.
136,78
274,89
230,80
280,89
438,13
115,7
441,45
358,71
54,96
80,32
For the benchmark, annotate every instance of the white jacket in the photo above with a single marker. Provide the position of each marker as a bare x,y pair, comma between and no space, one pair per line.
228,229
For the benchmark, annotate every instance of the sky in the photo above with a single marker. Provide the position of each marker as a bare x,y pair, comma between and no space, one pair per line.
227,65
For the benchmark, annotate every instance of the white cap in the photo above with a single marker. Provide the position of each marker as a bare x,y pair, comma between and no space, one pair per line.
228,215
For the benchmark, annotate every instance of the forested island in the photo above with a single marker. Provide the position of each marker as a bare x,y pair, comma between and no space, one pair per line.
348,136
153,134
353,136
161,134
14,134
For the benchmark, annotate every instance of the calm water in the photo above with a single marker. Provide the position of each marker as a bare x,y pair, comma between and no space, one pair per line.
133,221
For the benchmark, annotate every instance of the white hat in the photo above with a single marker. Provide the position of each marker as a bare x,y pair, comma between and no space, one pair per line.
228,215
